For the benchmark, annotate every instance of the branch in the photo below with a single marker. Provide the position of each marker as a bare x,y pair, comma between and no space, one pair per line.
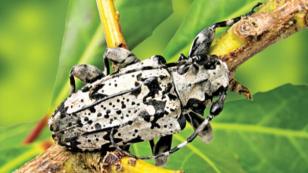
56,159
275,20
110,19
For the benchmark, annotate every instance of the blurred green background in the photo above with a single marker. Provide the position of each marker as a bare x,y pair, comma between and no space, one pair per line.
40,40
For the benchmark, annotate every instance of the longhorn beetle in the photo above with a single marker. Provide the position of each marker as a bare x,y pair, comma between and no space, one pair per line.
142,100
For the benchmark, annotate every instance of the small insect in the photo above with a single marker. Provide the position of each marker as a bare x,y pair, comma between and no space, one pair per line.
143,100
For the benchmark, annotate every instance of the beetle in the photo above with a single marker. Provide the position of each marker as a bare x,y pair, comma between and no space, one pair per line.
143,100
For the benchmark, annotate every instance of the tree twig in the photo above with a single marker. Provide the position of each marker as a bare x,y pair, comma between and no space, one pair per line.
110,19
275,20
56,159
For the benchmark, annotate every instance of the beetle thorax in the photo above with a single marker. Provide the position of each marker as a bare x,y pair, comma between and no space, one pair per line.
201,81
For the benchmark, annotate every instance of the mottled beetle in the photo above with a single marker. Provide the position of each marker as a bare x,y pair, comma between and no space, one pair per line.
143,100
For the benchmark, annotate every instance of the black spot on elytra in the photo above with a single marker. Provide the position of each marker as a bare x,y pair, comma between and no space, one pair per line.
145,115
139,76
119,112
167,89
98,126
136,91
159,107
172,96
123,105
79,123
99,114
92,109
96,88
153,86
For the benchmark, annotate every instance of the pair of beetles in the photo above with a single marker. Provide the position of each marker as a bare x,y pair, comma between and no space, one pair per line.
143,100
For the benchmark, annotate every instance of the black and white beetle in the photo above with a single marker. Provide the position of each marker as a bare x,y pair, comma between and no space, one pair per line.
143,100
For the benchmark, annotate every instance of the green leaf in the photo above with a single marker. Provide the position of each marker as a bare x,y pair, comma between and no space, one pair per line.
83,39
31,33
202,14
13,152
268,134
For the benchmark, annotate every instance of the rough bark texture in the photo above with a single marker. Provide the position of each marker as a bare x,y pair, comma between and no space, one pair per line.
56,159
277,19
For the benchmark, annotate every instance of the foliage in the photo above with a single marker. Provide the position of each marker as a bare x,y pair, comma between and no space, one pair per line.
257,136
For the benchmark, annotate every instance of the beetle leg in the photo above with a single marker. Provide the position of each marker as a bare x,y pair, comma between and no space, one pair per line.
237,87
85,72
218,105
163,145
202,42
106,66
152,145
187,141
195,119
120,57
